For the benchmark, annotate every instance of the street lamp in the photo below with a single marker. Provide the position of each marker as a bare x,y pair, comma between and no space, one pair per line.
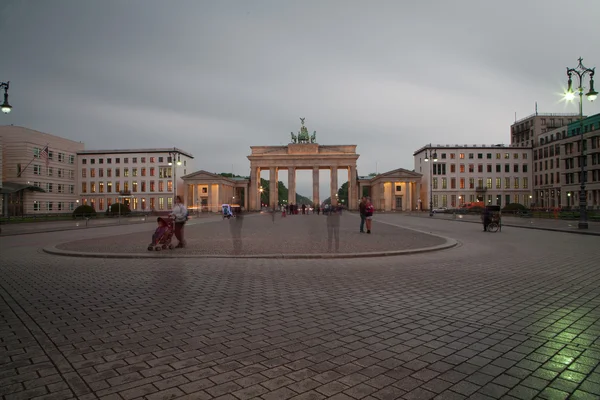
581,71
170,161
433,154
5,106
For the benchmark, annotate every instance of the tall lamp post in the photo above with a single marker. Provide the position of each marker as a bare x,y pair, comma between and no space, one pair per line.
171,160
433,154
581,71
5,107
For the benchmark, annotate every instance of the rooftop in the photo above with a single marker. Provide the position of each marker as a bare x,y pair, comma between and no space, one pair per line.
136,151
546,115
467,146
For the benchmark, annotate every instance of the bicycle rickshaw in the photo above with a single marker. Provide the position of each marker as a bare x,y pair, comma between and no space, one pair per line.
495,224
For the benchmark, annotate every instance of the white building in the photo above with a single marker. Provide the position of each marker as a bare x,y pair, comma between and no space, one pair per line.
494,174
144,179
25,167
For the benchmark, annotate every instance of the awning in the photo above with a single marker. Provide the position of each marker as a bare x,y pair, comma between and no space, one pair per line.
13,187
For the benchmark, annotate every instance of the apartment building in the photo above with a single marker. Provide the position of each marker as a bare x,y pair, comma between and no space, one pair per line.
494,174
556,158
527,131
25,164
144,179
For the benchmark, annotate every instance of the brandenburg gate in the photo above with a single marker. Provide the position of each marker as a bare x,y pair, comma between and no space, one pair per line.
302,153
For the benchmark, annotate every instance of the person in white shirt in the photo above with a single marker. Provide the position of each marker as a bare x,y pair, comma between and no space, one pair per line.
180,214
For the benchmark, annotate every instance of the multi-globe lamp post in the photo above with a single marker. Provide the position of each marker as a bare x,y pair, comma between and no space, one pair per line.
580,72
433,154
5,107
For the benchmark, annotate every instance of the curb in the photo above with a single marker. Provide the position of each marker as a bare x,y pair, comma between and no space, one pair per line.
450,243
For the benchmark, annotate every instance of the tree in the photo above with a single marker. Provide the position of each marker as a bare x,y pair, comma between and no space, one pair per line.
343,194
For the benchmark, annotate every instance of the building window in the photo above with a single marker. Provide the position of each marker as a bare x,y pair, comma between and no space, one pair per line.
170,186
134,160
488,183
461,156
506,183
71,189
479,156
471,168
479,168
462,183
109,160
144,171
117,187
435,183
84,161
126,172
516,156
462,168
92,172
161,186
444,183
525,183
109,187
83,187
143,186
117,160
498,183
126,186
50,171
470,156
50,155
92,161
143,159
134,186
161,203
453,168
516,168
134,172
37,169
100,172
92,187
471,183
126,160
160,159
452,157
100,188
108,172
61,188
506,167
71,159
49,206
498,156
524,167
152,159
36,206
489,156
489,168
165,172
117,171
61,157
151,171
170,202
452,183
507,156
152,188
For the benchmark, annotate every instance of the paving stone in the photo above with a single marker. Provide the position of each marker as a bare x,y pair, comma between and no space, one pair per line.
431,324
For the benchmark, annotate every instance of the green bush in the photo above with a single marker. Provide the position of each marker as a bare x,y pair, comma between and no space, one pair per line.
114,209
84,210
514,207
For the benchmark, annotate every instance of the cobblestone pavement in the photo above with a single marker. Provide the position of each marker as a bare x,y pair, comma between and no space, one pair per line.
512,315
261,234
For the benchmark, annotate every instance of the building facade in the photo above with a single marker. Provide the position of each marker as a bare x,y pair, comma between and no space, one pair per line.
25,163
396,190
143,179
207,192
556,140
493,174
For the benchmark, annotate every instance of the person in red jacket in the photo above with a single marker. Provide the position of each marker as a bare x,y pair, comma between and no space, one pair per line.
369,210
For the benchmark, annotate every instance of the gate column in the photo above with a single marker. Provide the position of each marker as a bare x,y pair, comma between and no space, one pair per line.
315,177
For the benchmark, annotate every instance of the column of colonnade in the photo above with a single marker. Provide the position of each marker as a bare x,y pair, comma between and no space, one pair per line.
291,185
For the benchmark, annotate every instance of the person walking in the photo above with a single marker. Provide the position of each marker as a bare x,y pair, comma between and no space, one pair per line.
180,215
369,210
486,217
362,210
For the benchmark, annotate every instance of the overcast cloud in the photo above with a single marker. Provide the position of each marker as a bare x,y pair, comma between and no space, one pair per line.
216,77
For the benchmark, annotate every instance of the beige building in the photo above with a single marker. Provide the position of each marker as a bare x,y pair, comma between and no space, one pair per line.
144,179
206,192
494,174
26,169
396,190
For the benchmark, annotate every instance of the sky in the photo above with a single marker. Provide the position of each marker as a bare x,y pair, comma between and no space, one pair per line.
216,77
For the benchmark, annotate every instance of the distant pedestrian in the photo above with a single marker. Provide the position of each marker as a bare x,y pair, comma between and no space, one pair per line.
369,210
362,210
486,217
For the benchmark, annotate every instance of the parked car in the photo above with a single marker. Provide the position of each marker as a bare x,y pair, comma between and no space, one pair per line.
440,210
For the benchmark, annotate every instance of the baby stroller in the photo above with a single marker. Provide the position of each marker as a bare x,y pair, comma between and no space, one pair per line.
161,239
227,212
